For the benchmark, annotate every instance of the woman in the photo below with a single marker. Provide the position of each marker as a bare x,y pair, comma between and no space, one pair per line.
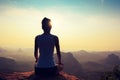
44,44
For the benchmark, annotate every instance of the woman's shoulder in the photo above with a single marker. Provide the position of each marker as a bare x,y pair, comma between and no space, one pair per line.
42,35
37,36
54,36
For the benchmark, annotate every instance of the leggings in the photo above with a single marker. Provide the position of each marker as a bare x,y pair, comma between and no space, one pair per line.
46,71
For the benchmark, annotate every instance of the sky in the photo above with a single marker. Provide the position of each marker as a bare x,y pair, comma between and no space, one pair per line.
80,24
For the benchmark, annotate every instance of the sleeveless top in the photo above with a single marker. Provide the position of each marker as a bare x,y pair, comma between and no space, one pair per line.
46,43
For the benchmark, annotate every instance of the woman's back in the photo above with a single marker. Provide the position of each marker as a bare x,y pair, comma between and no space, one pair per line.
46,43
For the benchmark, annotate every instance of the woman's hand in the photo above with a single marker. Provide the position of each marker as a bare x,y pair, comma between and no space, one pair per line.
60,67
36,60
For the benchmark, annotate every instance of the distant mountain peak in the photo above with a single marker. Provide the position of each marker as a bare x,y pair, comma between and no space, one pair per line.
83,52
112,59
113,56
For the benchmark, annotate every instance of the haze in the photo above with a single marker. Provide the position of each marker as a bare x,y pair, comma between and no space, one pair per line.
80,24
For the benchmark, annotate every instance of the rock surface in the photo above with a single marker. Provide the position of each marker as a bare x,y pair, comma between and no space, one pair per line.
30,76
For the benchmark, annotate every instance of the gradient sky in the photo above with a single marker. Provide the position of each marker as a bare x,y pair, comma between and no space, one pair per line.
79,24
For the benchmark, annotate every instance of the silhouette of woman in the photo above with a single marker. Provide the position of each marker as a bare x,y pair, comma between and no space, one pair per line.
45,44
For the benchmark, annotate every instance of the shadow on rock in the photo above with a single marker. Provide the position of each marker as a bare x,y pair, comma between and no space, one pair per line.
61,76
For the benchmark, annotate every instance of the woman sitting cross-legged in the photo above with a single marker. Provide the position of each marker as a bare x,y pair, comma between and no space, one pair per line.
44,45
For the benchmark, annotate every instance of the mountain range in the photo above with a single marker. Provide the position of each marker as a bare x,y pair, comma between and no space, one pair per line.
83,64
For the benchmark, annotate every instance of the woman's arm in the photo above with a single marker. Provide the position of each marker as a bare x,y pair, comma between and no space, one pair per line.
58,49
36,50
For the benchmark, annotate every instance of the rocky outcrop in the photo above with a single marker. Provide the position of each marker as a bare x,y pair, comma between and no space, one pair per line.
31,76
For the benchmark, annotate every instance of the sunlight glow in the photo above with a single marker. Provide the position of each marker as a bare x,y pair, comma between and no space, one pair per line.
75,28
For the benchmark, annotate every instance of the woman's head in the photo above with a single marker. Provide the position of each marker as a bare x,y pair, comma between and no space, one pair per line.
46,24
